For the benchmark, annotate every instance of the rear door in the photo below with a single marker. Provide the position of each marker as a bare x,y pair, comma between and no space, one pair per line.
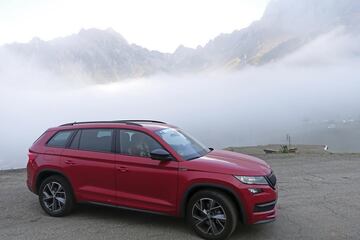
141,181
89,161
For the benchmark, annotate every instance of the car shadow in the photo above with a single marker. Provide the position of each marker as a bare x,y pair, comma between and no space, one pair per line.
160,222
129,217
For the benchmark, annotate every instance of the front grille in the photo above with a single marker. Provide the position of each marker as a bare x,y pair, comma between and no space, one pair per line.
264,207
271,178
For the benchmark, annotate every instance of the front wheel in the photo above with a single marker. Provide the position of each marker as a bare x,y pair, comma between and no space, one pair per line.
55,196
212,215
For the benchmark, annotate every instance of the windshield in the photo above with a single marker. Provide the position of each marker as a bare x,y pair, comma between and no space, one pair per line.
183,144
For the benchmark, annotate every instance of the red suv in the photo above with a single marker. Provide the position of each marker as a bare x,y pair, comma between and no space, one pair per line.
150,166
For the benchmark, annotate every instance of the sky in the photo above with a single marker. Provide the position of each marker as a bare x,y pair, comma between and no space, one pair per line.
157,24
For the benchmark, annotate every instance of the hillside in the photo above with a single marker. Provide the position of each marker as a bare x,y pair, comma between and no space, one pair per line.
105,55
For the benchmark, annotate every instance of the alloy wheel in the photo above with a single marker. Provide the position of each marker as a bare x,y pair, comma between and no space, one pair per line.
209,216
54,197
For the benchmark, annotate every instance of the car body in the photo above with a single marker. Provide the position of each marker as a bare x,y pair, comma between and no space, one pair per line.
100,162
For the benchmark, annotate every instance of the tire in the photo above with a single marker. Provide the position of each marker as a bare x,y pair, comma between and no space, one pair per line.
212,215
56,197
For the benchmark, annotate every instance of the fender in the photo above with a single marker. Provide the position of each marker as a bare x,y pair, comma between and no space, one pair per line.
182,207
50,170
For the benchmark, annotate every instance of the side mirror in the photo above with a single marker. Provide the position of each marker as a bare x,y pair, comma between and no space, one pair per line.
161,154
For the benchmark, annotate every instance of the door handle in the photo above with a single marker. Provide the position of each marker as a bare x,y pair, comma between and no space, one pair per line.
122,169
69,162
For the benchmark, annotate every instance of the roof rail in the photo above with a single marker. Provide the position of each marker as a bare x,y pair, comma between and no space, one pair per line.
129,122
139,120
89,122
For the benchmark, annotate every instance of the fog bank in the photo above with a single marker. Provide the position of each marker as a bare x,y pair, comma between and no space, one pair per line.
308,92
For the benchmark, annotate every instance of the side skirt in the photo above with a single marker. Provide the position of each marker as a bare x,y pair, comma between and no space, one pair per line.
129,208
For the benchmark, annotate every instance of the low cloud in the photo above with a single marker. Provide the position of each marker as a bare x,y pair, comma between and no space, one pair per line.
258,105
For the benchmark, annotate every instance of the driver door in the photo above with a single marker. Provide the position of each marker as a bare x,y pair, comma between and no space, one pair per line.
141,181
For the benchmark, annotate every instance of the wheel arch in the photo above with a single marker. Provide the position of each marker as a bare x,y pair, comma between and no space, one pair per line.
45,173
206,186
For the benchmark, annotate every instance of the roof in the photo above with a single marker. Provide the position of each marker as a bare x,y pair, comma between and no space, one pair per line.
149,124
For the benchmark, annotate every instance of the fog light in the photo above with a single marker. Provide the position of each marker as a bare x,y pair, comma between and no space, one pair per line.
255,190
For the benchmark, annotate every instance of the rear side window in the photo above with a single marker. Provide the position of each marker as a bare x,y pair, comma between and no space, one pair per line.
60,139
97,140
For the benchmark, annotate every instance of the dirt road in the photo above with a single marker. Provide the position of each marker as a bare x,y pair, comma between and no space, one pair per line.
319,198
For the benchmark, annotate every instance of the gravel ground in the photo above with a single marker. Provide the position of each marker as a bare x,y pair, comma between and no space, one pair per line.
319,198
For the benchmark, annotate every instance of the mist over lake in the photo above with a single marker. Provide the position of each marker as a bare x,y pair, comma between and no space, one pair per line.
311,96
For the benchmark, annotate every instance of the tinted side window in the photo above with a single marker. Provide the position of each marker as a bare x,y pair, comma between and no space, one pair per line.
76,140
136,143
60,139
98,140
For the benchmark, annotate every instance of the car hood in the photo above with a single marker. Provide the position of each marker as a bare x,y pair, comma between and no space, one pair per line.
226,162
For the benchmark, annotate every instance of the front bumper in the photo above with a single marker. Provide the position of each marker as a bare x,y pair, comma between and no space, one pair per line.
259,207
263,217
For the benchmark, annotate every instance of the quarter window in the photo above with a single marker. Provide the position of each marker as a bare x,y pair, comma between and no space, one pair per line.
98,140
60,139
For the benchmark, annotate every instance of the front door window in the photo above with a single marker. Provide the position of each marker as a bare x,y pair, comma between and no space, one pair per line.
135,143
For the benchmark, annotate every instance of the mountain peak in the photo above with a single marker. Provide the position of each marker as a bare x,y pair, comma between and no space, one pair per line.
94,33
182,48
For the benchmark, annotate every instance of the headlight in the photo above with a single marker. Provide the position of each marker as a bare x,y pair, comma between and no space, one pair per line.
252,180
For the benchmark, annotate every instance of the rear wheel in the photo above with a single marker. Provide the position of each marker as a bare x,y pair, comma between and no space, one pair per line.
55,196
212,215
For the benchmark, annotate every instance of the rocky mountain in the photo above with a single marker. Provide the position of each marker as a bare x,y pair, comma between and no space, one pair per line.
104,55
285,26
